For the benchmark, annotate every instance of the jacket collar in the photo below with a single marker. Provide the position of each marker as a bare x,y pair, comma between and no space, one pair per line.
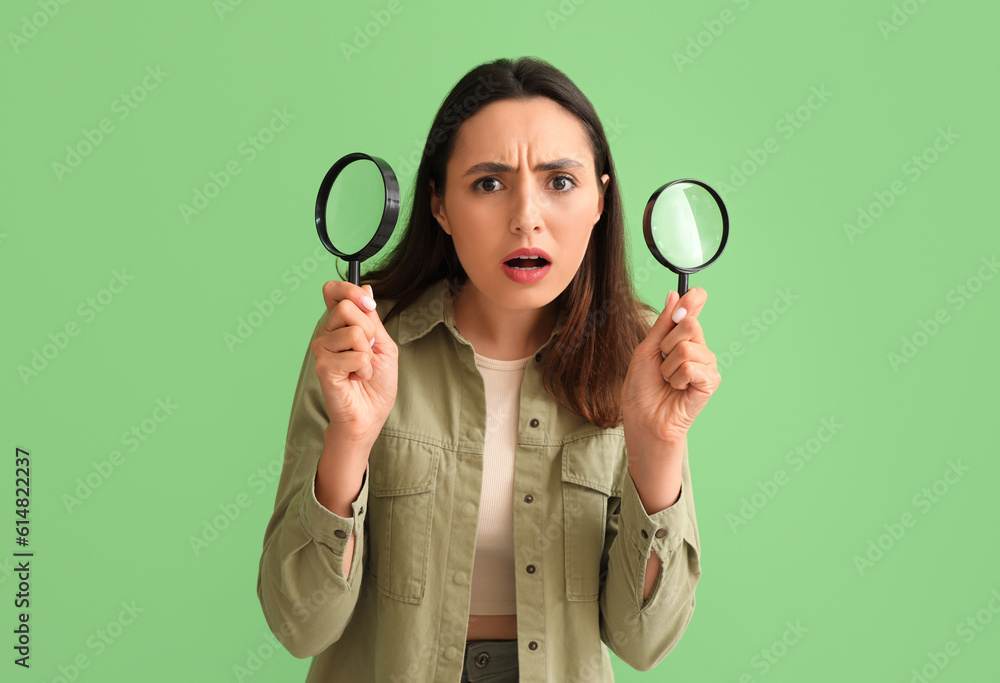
436,305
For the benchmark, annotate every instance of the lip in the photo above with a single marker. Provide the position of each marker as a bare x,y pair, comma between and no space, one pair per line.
527,252
526,277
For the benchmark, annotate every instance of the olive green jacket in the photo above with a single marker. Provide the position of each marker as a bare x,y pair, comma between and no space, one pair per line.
581,535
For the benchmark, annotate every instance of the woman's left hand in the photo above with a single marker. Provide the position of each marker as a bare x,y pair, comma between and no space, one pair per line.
663,394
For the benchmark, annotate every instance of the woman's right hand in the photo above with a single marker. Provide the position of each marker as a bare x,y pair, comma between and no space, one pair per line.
358,379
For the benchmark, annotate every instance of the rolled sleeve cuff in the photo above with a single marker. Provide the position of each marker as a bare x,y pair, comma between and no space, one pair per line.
663,531
328,527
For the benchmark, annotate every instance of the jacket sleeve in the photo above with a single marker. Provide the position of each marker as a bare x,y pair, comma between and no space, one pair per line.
641,632
306,599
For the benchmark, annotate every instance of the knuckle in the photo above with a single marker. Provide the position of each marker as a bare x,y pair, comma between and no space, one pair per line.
358,336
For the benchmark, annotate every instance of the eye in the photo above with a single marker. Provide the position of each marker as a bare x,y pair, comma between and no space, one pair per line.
485,180
565,184
565,178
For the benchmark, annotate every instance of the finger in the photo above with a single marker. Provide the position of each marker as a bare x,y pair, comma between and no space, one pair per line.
351,338
691,375
686,352
336,291
689,305
381,336
346,313
661,326
346,363
692,302
688,329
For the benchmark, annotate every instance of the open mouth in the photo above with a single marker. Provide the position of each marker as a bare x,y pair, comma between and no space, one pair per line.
527,263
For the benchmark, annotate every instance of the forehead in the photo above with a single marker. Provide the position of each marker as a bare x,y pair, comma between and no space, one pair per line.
507,129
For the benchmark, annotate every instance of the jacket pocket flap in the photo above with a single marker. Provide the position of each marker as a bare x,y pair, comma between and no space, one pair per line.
399,466
597,462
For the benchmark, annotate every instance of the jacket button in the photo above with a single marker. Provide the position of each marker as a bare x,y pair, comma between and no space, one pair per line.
530,569
532,645
340,533
660,533
538,358
644,534
533,423
528,498
482,659
361,510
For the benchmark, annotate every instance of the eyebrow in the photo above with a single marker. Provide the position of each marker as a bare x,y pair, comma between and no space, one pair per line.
497,167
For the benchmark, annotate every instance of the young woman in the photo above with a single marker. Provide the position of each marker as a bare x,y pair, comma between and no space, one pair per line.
486,472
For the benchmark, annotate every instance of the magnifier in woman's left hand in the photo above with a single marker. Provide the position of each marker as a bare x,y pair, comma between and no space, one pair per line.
686,227
364,200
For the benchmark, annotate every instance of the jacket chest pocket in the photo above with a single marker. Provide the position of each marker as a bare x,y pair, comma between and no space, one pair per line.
400,506
592,470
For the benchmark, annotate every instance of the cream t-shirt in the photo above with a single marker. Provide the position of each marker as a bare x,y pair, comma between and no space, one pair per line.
493,572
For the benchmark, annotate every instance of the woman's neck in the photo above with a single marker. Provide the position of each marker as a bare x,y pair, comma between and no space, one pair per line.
502,333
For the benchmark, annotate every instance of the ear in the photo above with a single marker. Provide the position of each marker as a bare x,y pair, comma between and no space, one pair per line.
605,179
437,210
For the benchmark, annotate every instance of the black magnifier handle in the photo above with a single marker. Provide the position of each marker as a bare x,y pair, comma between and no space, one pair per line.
682,284
354,271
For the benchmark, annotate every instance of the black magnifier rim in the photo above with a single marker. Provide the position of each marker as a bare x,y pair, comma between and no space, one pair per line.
647,228
389,214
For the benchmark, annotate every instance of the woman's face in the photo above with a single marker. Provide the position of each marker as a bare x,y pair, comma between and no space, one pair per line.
521,175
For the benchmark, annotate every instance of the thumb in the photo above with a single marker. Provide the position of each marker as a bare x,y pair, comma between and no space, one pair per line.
661,327
380,334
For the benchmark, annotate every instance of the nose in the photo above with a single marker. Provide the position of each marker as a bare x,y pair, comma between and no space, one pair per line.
526,212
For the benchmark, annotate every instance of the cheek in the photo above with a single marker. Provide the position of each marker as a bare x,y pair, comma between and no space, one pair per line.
575,229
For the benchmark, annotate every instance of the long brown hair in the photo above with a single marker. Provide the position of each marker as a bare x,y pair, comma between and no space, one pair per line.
605,319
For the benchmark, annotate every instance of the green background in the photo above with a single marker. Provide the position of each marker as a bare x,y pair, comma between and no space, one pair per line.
857,297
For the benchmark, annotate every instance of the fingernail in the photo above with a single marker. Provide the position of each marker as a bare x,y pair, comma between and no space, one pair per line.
663,355
667,301
679,314
368,302
372,342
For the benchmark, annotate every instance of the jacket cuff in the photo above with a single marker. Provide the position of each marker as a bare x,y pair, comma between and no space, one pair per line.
663,531
327,527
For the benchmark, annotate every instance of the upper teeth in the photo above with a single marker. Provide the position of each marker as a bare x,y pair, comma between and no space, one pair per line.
528,257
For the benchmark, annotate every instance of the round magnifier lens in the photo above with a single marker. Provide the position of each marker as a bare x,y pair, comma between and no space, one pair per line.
687,225
356,208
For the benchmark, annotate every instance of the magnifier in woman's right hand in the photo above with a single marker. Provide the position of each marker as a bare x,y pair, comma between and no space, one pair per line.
364,201
686,226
